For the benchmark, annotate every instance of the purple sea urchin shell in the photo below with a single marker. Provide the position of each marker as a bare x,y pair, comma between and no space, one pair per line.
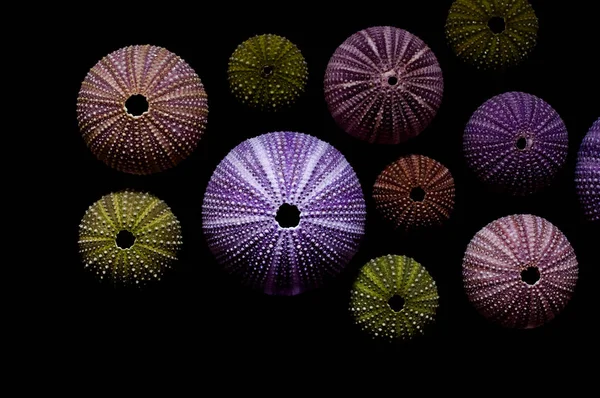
256,181
414,191
516,142
383,85
587,173
161,136
520,271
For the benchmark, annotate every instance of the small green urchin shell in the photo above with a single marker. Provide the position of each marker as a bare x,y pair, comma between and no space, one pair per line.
474,41
154,227
380,280
267,72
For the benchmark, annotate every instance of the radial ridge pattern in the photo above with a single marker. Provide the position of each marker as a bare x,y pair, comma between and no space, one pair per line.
383,85
516,142
152,226
160,137
587,174
253,182
381,281
267,72
474,38
497,262
394,189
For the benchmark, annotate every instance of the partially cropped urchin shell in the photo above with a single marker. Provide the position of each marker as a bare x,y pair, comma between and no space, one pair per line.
383,85
378,282
155,229
495,266
159,138
393,188
245,194
472,39
587,173
516,142
267,72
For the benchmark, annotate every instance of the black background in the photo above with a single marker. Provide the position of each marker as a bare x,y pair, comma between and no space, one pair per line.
200,316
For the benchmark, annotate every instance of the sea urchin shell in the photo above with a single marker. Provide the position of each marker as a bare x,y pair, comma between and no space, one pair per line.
414,191
169,119
587,173
520,271
492,33
129,238
282,211
516,142
383,85
267,72
394,298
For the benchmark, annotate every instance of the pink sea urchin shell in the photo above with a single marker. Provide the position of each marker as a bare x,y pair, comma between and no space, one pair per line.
161,136
383,85
520,271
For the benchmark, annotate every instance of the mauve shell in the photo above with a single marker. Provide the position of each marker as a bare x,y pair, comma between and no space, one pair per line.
497,255
243,197
491,136
587,173
161,137
358,94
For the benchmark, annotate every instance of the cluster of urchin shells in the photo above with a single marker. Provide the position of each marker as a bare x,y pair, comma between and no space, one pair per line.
156,233
473,40
587,173
248,188
159,138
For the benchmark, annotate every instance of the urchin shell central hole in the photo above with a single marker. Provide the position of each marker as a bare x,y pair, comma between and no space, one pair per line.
396,303
497,24
125,239
530,275
392,80
288,216
267,70
417,194
136,105
522,143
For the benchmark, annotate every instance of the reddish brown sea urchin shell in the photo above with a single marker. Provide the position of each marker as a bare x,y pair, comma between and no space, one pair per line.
169,122
414,191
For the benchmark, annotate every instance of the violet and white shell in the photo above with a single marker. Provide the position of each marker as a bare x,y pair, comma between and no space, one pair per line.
159,138
516,142
496,264
245,193
383,85
587,173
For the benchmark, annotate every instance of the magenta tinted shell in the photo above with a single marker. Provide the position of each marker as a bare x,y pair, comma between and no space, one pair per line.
516,143
270,175
587,173
383,85
520,271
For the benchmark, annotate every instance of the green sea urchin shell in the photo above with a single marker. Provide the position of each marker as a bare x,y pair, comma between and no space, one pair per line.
387,279
473,40
153,228
267,72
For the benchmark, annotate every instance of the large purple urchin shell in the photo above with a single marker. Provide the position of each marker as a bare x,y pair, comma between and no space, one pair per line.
283,211
383,85
587,173
169,120
520,271
516,142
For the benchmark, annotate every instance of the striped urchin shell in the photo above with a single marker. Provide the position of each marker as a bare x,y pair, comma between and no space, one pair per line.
245,194
587,173
414,191
383,85
474,40
159,138
153,229
520,271
384,281
267,72
516,142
